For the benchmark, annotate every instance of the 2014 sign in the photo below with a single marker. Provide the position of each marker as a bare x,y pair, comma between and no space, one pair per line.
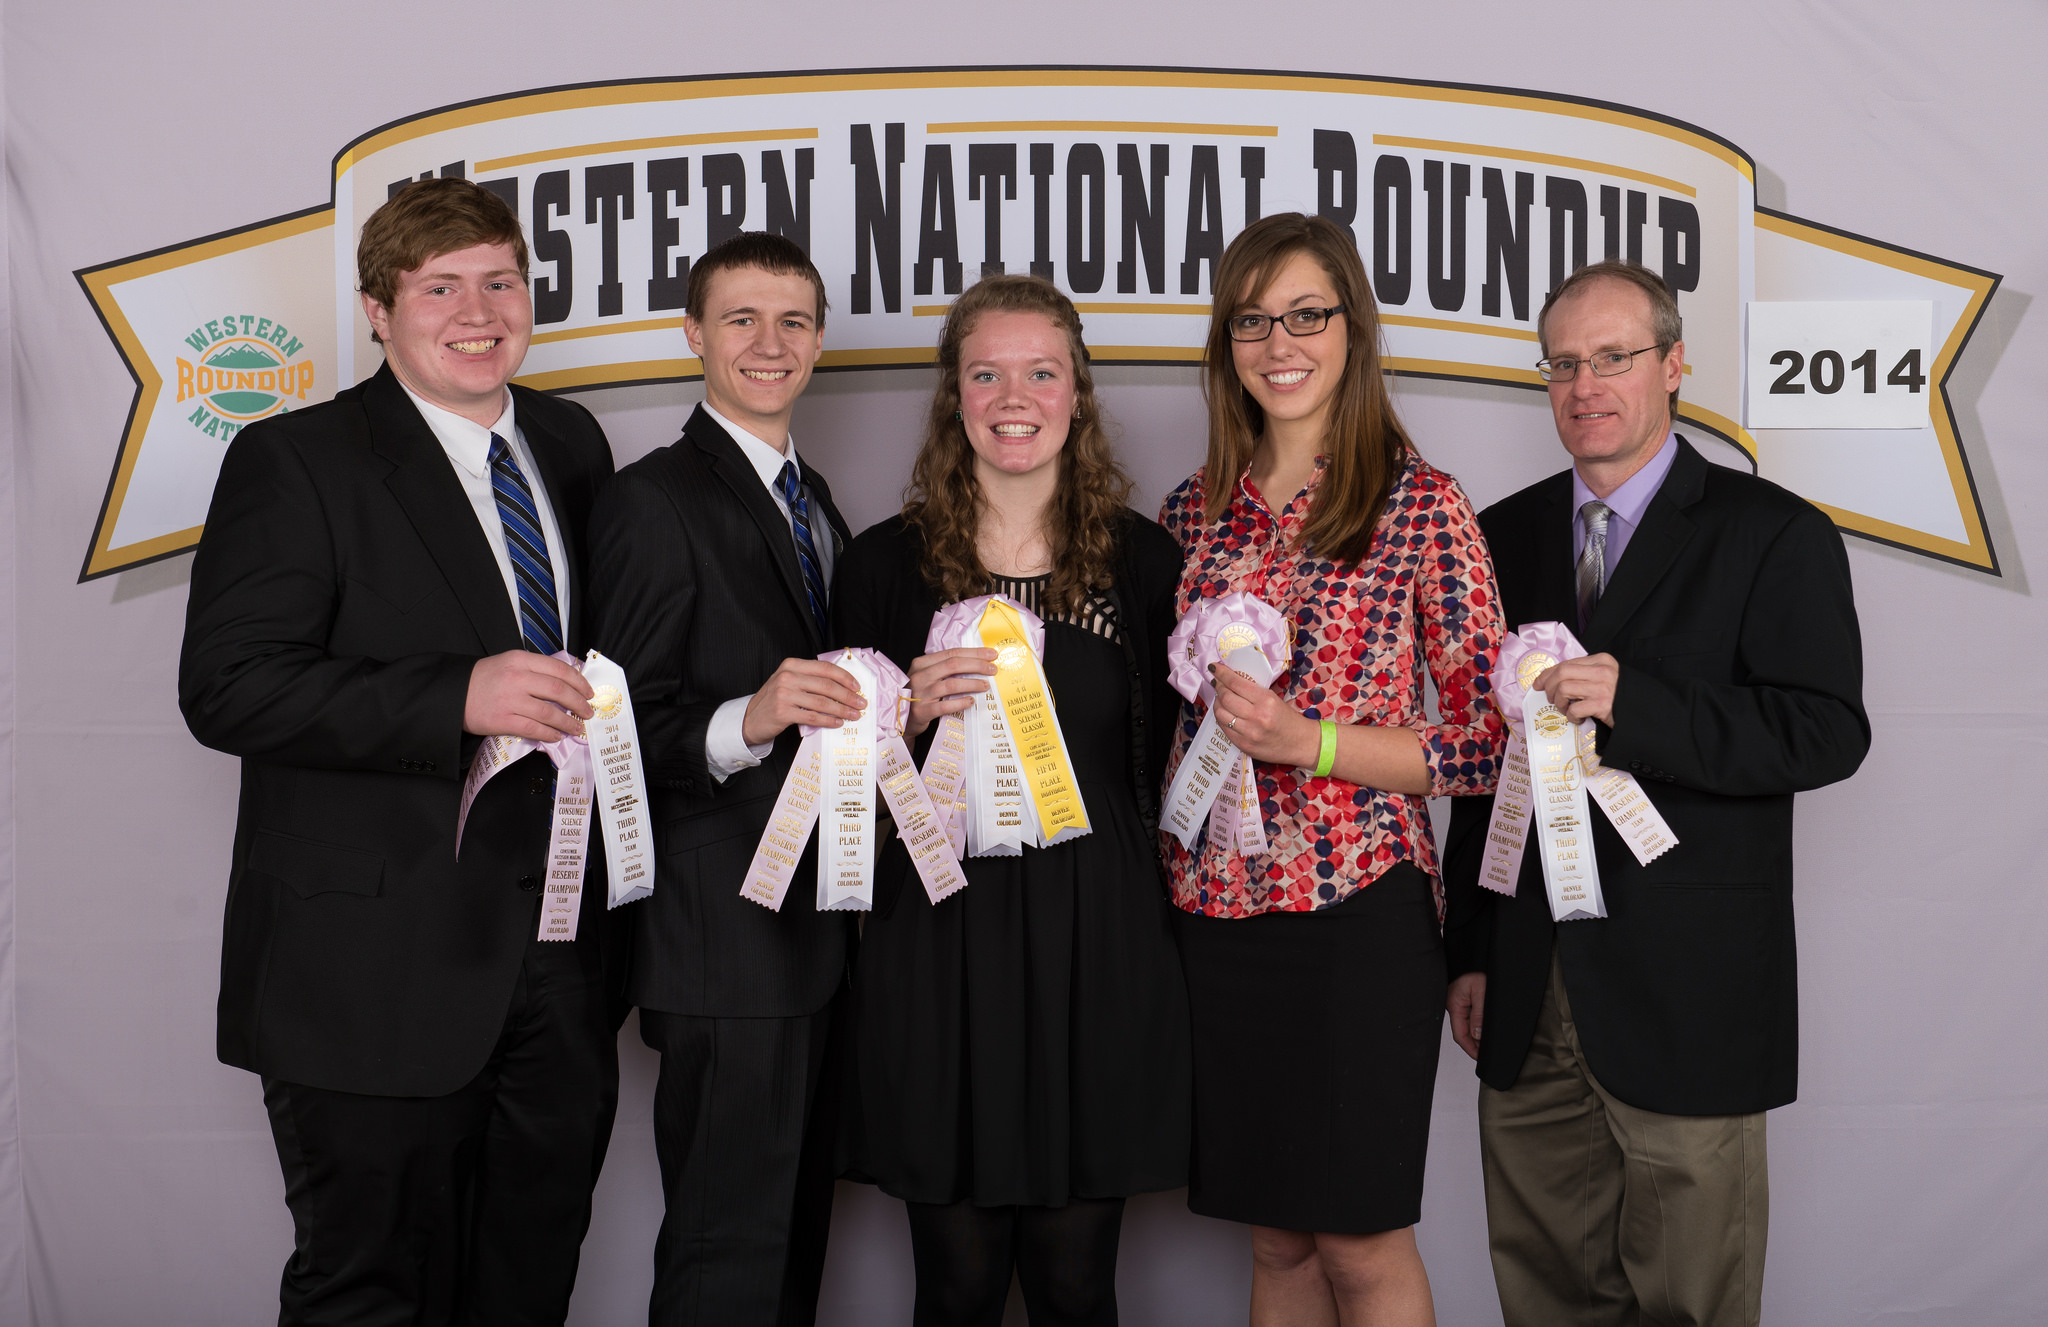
1801,377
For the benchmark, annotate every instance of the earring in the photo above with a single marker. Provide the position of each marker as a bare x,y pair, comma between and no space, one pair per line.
956,414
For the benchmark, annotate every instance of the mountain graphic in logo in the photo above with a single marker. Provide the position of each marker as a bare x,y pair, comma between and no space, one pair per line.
246,371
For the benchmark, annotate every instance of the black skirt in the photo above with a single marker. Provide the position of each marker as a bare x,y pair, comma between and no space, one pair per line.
1315,1051
1026,1040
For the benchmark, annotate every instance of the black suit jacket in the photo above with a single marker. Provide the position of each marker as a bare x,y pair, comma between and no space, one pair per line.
1733,620
342,592
696,592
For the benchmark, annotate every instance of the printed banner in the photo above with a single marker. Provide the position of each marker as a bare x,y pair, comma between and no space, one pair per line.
1468,205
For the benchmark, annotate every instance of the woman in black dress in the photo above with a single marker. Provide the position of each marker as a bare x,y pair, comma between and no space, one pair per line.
1021,1048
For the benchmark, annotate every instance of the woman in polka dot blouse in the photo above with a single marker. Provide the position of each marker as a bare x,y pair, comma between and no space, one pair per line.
1315,969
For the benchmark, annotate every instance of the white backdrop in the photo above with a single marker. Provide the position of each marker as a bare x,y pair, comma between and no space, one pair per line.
137,1179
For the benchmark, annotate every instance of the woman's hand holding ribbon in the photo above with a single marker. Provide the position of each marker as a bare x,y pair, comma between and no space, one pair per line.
1261,724
946,682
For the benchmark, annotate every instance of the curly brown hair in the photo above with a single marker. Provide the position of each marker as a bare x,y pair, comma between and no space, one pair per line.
1366,447
943,500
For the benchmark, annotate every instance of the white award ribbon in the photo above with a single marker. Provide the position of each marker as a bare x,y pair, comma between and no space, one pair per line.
1564,836
832,785
923,829
1212,768
619,782
998,813
789,827
945,779
1507,834
609,744
846,830
1519,798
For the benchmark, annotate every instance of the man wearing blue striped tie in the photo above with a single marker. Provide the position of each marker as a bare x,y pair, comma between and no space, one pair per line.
711,571
381,582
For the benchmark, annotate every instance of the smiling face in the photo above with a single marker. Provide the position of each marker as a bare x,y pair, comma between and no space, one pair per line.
1016,392
1611,426
759,337
1295,378
457,329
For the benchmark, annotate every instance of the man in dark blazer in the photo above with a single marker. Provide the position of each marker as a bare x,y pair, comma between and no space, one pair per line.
1626,1062
711,566
380,583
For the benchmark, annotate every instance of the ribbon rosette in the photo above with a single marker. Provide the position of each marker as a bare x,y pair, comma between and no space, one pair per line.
602,765
999,772
1552,762
834,777
1238,631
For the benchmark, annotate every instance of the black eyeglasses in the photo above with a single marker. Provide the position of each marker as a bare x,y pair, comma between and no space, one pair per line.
1298,322
1605,364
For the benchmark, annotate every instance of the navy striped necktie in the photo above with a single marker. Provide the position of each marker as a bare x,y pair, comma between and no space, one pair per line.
540,615
806,549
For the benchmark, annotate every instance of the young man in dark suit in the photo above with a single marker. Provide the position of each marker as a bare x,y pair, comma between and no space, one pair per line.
711,568
380,584
1626,1062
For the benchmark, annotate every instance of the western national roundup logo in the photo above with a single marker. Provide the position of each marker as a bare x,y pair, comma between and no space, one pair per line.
248,368
1821,356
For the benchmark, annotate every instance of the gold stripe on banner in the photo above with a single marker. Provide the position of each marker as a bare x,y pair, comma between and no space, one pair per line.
687,89
101,558
607,329
1452,325
1975,551
1537,158
1101,126
645,145
1177,310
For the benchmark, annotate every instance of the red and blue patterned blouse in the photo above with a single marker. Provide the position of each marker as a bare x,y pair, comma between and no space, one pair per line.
1361,634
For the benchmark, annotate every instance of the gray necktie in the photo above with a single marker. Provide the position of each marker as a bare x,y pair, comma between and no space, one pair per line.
1592,560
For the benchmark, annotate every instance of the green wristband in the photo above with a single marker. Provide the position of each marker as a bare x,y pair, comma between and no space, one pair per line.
1326,759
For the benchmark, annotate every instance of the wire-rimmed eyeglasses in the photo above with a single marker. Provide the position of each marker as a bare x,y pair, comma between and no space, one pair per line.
1606,364
1298,322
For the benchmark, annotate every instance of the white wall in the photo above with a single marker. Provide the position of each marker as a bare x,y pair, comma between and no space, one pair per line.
1911,1179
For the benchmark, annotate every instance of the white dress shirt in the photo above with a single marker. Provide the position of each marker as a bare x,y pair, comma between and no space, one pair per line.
726,748
468,445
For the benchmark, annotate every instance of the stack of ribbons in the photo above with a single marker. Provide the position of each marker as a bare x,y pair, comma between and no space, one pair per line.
601,766
1000,773
834,777
1550,767
1237,631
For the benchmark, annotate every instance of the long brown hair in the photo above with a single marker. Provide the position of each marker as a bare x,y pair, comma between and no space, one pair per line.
1366,446
944,498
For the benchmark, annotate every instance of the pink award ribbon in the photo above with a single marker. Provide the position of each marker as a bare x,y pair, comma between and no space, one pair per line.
1214,778
601,766
834,778
1550,769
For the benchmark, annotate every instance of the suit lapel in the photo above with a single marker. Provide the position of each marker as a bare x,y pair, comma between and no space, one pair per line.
423,481
1557,597
1655,545
548,456
815,482
733,469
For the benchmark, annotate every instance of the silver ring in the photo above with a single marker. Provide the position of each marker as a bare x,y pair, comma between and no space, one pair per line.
1231,726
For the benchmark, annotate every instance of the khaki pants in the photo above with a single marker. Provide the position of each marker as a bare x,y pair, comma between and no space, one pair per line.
1604,1215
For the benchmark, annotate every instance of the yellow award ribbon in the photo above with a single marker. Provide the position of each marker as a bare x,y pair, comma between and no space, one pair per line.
1033,727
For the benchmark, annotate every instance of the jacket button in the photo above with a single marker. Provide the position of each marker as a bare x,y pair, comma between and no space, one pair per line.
429,766
528,883
1635,766
538,786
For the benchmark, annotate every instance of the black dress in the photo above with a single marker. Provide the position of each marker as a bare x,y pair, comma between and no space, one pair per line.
1026,1040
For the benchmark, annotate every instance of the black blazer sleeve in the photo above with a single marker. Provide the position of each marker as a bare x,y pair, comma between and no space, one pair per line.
643,577
1794,719
259,676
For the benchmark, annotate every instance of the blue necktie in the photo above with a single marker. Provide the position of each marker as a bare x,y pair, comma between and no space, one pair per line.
540,617
806,550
